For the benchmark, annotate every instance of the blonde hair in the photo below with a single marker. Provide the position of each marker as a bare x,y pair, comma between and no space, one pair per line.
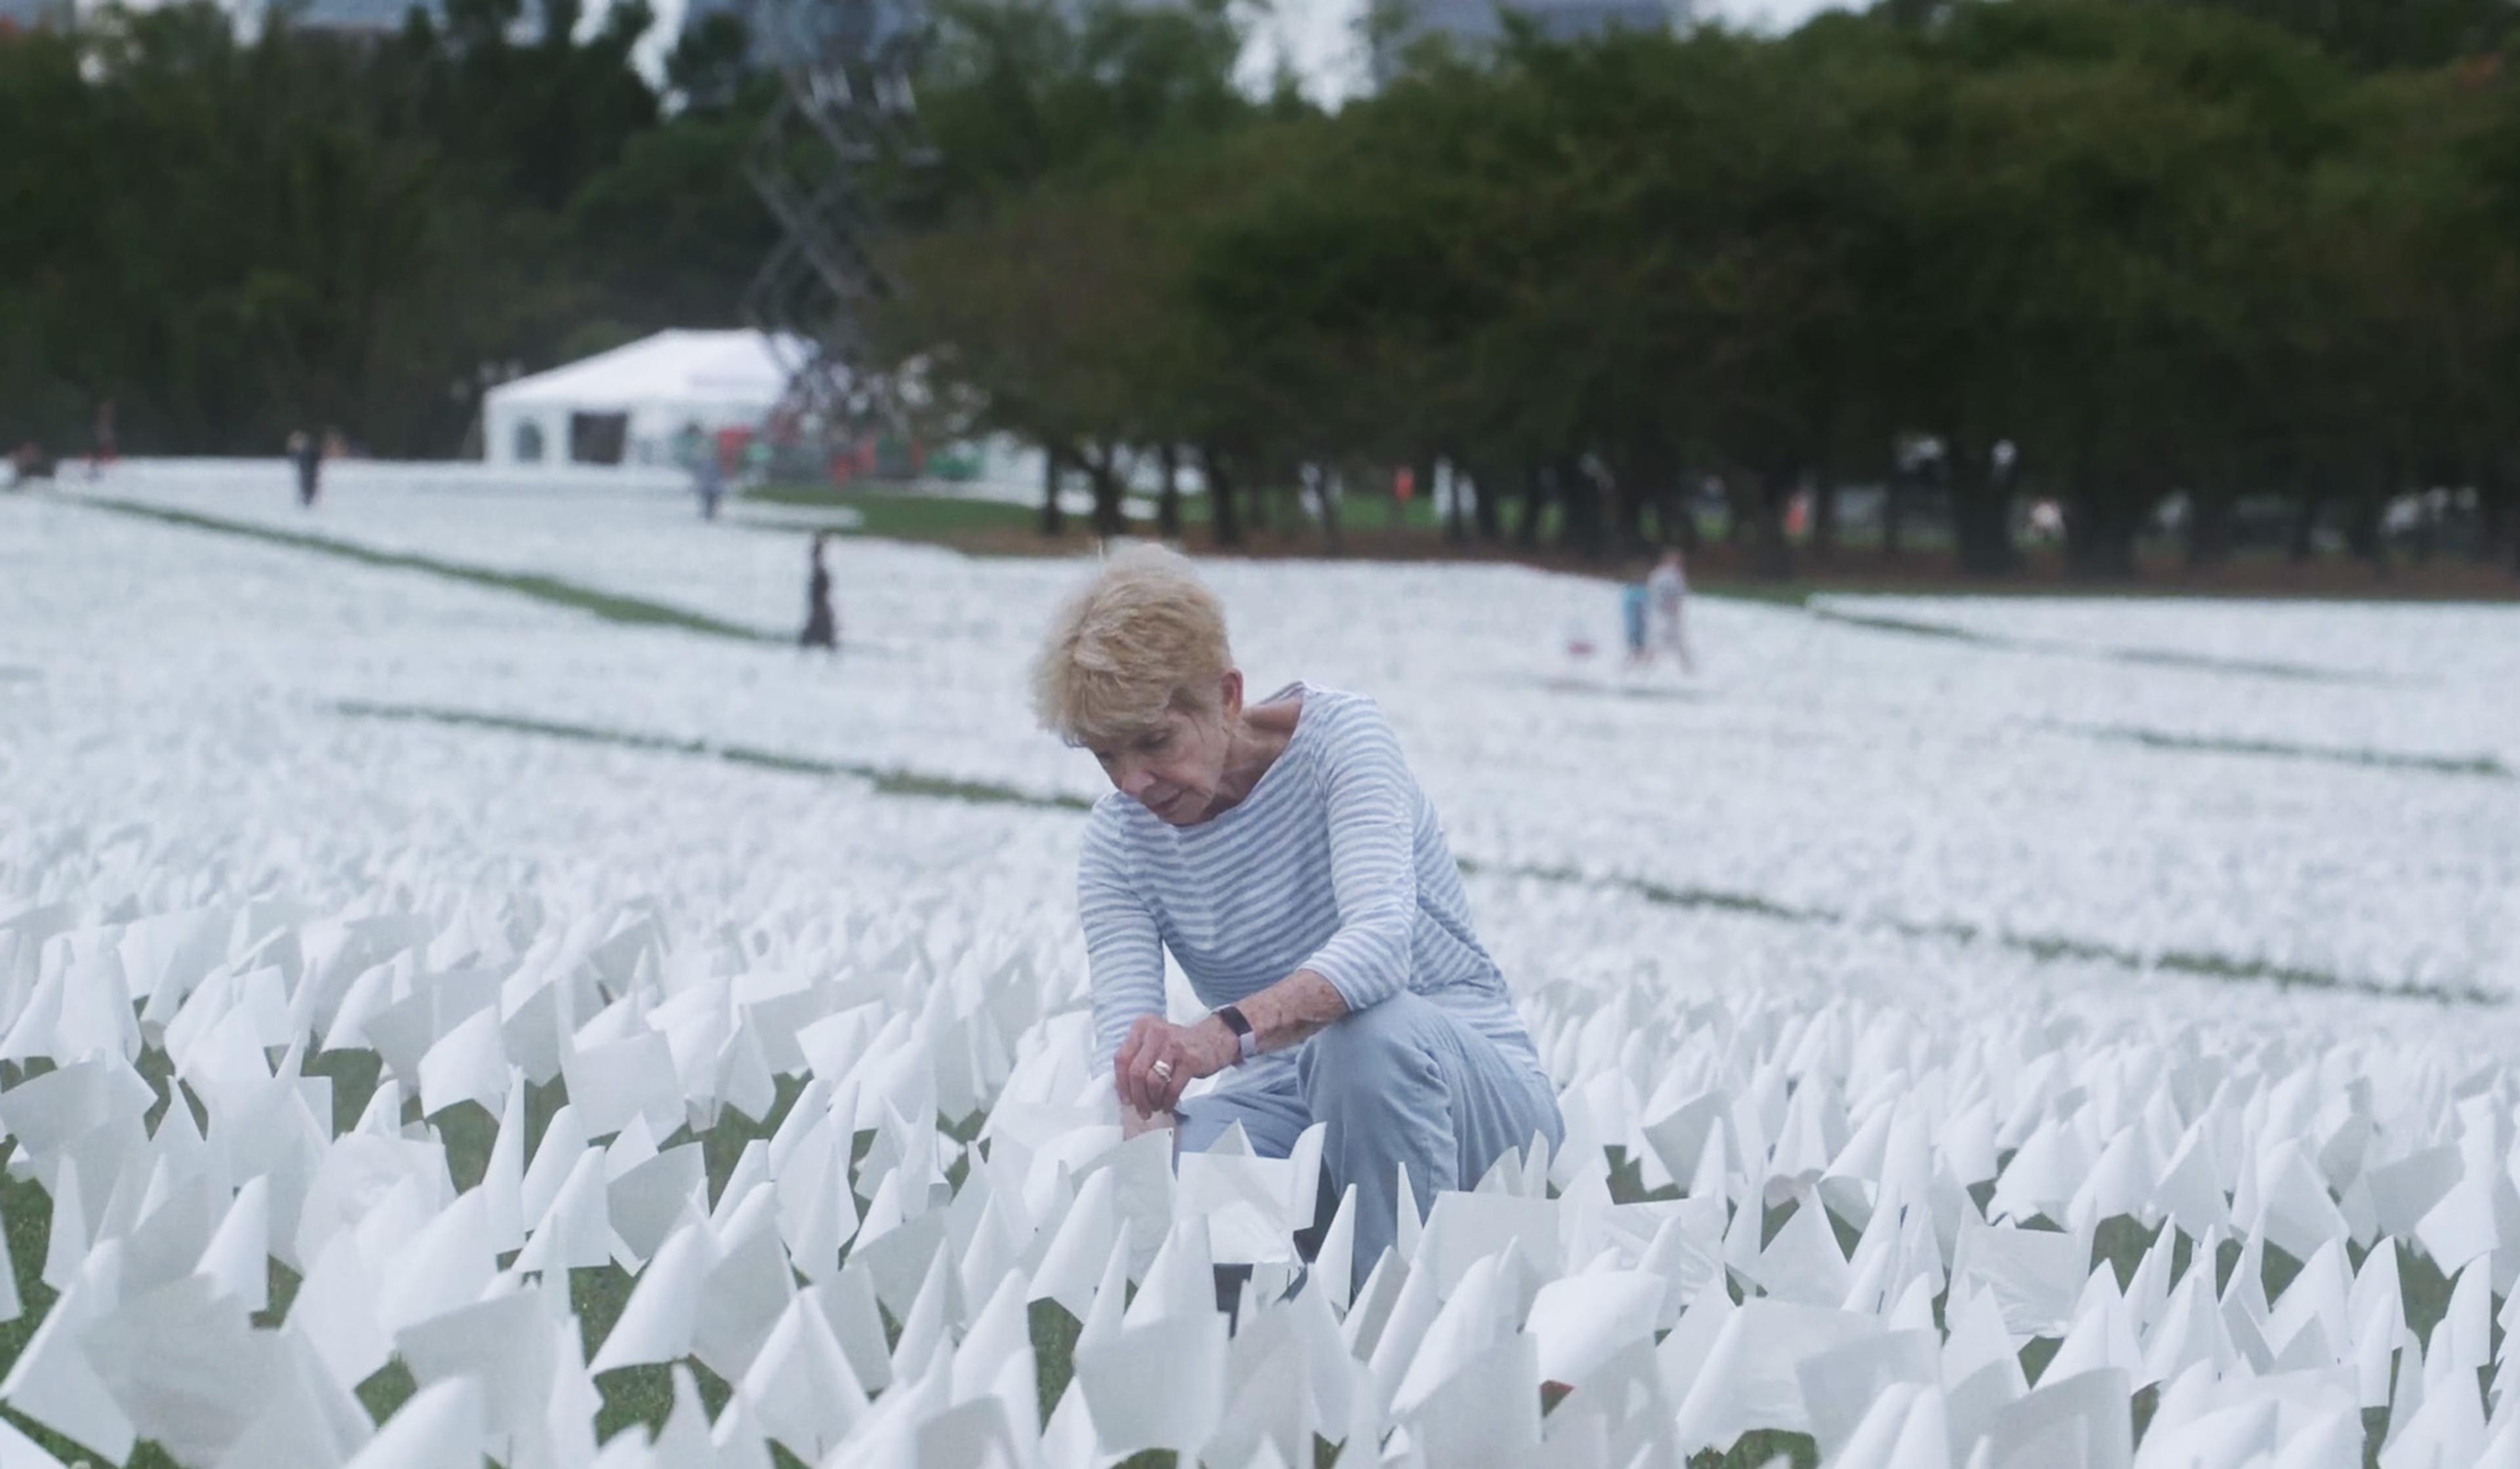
1143,637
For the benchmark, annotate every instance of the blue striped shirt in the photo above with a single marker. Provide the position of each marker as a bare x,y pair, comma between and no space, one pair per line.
1335,863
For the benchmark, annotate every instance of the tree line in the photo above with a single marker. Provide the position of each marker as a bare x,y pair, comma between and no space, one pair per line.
2253,261
2257,268
231,239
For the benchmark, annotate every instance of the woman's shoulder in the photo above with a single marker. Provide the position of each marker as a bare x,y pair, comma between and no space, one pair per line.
1339,723
1328,705
1112,816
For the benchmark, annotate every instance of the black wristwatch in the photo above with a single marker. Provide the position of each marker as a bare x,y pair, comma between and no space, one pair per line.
1244,1034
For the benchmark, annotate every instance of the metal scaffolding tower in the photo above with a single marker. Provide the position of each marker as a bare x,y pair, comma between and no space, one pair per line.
846,110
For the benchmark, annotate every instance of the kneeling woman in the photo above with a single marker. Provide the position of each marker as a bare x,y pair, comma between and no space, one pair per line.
1285,854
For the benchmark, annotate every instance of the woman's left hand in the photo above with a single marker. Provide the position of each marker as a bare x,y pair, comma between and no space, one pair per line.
1159,1059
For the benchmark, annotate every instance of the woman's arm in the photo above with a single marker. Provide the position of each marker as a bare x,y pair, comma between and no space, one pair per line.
1283,1015
1371,803
1124,955
1372,807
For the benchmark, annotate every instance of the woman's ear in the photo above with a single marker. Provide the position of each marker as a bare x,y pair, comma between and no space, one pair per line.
1228,691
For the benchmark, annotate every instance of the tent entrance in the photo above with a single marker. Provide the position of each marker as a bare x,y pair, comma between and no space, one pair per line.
598,438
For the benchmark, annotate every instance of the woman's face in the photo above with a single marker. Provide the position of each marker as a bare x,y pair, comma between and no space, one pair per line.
1176,769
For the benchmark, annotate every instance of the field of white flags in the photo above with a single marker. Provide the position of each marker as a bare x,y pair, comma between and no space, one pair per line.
470,990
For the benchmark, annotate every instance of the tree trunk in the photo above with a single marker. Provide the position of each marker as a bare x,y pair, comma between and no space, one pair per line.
1455,485
1168,521
2304,536
1053,522
2362,533
1632,495
2493,528
2100,525
2363,530
1260,472
1487,504
1103,475
2209,524
1894,507
1824,523
1535,499
1773,555
1981,512
1675,511
1644,480
1579,496
1224,519
2498,493
1326,493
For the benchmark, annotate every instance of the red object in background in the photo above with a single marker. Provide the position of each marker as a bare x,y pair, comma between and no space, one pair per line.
730,444
1404,484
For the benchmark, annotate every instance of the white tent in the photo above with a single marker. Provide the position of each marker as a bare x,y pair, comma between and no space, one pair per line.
624,407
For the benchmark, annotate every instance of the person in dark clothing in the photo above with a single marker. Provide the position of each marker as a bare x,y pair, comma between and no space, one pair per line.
307,451
822,624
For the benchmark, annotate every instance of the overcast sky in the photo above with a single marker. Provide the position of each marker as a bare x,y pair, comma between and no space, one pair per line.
1320,37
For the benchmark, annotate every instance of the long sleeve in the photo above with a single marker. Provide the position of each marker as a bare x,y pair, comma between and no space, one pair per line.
1124,955
1373,808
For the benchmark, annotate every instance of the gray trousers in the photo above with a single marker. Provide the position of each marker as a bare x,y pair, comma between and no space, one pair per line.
1400,1084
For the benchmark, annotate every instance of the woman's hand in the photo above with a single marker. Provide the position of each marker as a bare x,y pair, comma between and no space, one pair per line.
1137,1124
1159,1059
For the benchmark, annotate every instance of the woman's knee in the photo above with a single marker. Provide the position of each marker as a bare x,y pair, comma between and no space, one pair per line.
1200,1121
1366,1057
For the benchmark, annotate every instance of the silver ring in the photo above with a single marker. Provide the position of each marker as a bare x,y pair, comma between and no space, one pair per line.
1163,1071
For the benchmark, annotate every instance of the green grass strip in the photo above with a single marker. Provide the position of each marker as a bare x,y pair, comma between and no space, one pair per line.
2152,657
2041,947
612,606
890,783
2044,949
2486,767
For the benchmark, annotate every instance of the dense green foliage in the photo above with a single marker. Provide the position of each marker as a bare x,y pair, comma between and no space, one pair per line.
232,240
2116,254
2259,260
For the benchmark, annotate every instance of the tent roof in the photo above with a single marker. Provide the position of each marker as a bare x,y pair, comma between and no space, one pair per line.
670,367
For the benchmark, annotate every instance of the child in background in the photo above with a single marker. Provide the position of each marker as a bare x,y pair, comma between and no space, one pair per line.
1633,605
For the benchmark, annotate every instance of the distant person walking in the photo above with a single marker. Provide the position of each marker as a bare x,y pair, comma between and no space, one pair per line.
699,455
822,624
1669,585
306,451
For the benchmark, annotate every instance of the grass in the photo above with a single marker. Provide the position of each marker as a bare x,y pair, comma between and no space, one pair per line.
2044,949
552,590
903,515
981,524
2041,947
2147,657
1373,524
890,783
2486,767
